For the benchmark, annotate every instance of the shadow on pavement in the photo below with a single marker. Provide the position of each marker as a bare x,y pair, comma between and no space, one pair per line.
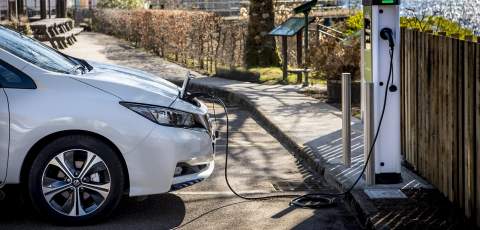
331,217
164,211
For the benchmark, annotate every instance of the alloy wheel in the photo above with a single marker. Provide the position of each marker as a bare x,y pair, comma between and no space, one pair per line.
76,182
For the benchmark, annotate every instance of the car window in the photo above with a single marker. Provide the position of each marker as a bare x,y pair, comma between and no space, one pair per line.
10,77
35,52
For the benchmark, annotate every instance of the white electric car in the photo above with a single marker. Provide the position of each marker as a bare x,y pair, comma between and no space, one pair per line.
79,135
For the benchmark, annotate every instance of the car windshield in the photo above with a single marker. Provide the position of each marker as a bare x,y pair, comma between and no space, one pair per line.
35,52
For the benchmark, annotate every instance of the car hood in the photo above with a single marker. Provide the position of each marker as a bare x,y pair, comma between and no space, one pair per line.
131,85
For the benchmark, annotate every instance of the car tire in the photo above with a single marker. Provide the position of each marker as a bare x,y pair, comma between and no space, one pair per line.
75,180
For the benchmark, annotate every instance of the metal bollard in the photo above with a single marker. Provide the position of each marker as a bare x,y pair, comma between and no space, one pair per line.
347,114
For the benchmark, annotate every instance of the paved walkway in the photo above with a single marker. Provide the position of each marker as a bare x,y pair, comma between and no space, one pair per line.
304,121
298,120
107,49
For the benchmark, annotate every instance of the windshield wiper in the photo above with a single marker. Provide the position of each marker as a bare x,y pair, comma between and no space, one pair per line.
77,67
84,63
79,61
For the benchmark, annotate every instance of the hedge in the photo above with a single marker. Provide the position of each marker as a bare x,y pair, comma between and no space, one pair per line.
194,38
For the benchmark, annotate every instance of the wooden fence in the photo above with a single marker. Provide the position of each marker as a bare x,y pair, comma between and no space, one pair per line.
441,114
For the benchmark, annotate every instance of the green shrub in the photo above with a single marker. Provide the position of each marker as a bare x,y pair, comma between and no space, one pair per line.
22,25
333,57
121,4
435,24
192,38
427,23
354,23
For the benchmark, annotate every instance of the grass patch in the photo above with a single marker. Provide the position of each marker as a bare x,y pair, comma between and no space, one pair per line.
266,75
273,75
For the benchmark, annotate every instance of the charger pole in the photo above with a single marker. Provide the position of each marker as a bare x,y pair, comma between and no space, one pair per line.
385,162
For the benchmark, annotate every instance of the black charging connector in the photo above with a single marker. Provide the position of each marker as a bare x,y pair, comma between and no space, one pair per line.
387,34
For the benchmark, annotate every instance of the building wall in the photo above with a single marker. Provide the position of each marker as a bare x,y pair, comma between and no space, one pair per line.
35,4
3,5
223,7
84,3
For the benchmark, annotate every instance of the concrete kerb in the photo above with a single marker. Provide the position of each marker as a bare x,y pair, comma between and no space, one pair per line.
356,200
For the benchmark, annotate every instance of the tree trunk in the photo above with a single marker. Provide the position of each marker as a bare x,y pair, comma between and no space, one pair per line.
11,10
61,8
43,9
260,48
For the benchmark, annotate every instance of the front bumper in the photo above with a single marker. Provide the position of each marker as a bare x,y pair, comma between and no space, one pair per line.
189,179
151,166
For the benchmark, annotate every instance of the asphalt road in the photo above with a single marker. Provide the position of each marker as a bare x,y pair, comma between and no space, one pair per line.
259,164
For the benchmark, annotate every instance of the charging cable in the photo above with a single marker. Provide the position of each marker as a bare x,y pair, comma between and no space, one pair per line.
305,200
311,200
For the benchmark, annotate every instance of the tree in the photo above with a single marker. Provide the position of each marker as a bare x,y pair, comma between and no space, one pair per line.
260,49
61,8
120,4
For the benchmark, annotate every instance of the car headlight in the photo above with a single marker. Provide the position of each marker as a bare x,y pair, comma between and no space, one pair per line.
165,116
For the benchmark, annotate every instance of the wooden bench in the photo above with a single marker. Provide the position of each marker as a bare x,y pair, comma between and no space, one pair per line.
60,32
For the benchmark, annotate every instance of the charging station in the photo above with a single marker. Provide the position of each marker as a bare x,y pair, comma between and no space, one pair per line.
380,103
381,90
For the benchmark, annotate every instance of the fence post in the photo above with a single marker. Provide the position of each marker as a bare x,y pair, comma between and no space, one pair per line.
347,113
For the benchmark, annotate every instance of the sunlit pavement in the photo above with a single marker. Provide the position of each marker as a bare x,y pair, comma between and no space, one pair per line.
259,164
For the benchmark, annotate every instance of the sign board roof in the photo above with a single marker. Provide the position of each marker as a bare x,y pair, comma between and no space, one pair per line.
290,27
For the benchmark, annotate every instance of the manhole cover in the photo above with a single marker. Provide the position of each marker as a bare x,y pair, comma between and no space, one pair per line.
385,194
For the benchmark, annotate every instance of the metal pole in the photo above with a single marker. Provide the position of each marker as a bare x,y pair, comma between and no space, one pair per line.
347,113
299,56
306,63
285,58
369,132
